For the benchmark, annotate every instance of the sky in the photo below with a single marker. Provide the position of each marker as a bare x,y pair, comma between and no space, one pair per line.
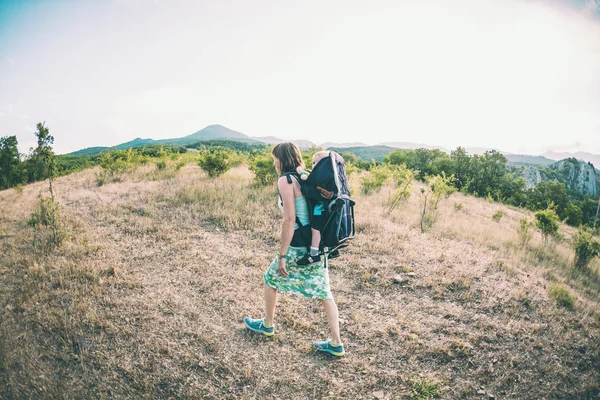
518,75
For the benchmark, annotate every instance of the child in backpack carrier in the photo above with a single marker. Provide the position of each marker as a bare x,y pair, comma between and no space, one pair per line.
318,220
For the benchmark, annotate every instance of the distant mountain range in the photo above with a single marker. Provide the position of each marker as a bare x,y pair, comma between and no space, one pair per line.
365,151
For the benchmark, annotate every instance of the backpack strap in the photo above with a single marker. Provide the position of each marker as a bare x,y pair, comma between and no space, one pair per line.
289,176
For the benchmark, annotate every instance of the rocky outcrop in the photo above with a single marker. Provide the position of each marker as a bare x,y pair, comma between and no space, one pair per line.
578,176
532,176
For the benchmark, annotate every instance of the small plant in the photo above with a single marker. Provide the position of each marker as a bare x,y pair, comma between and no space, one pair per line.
403,179
498,215
459,206
424,390
524,232
46,221
561,295
377,177
161,165
490,198
179,165
439,186
547,222
215,162
19,188
586,247
263,169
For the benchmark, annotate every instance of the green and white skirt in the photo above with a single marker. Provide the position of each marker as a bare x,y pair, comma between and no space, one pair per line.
310,281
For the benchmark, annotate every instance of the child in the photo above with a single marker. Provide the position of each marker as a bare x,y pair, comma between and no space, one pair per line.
317,222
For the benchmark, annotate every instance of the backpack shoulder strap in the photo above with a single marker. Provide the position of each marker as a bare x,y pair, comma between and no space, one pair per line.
289,176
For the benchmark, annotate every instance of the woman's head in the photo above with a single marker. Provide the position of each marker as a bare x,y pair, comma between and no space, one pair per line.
287,157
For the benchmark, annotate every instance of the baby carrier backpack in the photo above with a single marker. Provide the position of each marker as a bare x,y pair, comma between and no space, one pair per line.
328,183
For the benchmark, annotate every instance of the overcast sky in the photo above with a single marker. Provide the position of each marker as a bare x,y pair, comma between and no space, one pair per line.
518,75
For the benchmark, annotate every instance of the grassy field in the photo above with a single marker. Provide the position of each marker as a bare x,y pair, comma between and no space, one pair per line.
145,299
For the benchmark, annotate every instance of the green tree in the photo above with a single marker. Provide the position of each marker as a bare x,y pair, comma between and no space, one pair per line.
10,162
439,187
487,173
546,193
461,164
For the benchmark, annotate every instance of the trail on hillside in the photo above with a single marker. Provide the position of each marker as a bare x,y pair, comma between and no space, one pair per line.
147,299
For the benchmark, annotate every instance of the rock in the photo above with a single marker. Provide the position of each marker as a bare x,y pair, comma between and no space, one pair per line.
481,392
411,274
491,397
399,279
378,395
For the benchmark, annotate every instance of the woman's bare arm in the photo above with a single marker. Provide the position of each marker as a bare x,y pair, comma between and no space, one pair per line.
286,191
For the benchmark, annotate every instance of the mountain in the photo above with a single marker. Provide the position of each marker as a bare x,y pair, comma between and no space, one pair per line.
581,155
211,132
328,145
302,144
412,146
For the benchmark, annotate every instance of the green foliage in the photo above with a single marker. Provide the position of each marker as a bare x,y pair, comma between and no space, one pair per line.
161,165
498,215
215,162
224,144
573,215
425,390
374,180
439,186
547,222
180,165
486,174
586,247
561,295
524,232
369,153
423,161
403,180
264,170
459,206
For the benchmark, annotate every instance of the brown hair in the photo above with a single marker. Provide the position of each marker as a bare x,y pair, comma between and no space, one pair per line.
289,156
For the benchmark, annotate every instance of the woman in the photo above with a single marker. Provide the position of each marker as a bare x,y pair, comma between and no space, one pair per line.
284,274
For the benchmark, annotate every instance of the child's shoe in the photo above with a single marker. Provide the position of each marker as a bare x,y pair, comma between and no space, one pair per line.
258,325
308,259
326,347
334,254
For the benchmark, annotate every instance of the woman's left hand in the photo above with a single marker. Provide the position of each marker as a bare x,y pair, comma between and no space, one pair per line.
281,268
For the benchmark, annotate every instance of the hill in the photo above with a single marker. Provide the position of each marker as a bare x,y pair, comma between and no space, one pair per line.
145,299
527,160
580,178
302,144
367,153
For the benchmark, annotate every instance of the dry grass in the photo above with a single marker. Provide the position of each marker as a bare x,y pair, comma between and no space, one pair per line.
146,300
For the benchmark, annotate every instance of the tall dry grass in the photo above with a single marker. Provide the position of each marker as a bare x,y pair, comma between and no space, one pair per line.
146,299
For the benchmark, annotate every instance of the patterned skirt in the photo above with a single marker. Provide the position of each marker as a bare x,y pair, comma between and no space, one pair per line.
310,281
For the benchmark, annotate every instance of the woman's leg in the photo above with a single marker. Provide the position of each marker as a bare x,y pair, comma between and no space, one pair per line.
333,318
270,303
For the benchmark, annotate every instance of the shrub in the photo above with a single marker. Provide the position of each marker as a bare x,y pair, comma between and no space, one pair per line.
377,177
439,186
561,295
403,179
214,162
459,206
263,169
48,230
498,215
547,223
179,165
424,389
524,232
161,165
586,247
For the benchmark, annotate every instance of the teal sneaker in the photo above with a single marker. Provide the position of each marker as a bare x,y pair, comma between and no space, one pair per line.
258,325
326,347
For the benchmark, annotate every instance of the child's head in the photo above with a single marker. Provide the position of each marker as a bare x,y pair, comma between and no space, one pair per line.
318,156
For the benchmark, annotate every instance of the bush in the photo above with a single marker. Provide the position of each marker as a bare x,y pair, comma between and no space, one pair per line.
403,179
440,186
523,231
214,162
561,295
498,215
48,230
547,223
263,169
377,177
161,165
459,206
586,247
